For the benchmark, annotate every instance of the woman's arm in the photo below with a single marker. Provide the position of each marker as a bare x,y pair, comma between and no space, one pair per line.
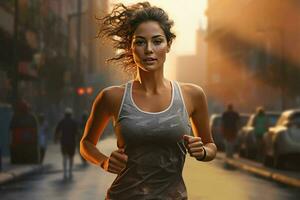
97,121
101,112
200,124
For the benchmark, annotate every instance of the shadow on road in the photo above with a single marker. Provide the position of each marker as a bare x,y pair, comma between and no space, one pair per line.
229,167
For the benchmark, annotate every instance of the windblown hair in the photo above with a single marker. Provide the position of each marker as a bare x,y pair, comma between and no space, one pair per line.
120,25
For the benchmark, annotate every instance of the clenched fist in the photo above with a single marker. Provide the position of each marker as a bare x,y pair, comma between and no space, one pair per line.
116,162
195,147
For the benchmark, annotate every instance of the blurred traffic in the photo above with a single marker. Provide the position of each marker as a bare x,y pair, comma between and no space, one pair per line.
274,140
281,142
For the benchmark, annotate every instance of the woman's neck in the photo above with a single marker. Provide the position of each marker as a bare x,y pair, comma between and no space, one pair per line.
151,82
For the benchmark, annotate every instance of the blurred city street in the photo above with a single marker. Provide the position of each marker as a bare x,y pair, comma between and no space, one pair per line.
243,55
91,182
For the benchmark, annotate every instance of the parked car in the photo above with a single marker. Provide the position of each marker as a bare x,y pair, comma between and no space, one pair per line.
216,128
247,146
244,117
215,123
283,140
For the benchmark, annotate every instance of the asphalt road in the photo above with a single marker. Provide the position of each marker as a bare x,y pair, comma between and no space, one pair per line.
204,181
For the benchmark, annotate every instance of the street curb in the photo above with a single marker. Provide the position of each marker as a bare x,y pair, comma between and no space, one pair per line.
20,172
294,182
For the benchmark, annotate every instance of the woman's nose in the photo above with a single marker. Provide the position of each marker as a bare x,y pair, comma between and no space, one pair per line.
148,49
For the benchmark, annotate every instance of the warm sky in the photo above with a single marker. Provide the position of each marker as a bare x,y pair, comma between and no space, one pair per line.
188,16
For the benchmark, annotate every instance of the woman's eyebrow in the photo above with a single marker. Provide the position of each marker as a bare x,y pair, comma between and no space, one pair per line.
155,36
137,36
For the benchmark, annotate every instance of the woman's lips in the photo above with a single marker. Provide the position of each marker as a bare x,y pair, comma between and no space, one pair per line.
149,60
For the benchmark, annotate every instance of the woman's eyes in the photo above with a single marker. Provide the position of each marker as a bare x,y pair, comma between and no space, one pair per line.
157,42
141,42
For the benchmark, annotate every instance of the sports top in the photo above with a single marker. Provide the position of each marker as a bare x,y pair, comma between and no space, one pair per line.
155,149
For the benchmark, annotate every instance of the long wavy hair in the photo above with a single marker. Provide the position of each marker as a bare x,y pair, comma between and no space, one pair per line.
120,25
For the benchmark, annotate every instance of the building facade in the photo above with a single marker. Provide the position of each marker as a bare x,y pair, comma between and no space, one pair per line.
192,68
251,54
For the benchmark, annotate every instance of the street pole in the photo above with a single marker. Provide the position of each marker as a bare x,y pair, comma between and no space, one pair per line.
15,74
78,75
78,36
283,71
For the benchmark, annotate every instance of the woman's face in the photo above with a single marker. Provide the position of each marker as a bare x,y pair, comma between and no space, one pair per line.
149,46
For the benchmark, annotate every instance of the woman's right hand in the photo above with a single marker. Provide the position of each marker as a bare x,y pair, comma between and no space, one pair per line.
116,162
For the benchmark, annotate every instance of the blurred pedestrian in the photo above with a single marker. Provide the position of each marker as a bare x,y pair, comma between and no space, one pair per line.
43,130
67,132
230,126
24,136
260,124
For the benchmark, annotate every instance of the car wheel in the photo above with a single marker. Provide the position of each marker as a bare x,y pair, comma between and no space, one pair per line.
279,161
267,160
250,153
242,153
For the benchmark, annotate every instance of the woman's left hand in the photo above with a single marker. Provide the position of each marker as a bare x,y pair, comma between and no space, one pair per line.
194,145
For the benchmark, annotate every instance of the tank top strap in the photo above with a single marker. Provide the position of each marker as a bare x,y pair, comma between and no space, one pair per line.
176,91
125,99
178,99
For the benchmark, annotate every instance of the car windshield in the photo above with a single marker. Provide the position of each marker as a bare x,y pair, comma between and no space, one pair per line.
244,119
273,119
295,119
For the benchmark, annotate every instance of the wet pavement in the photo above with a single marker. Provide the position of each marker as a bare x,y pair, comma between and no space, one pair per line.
204,181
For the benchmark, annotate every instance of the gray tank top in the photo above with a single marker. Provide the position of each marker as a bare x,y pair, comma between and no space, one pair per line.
155,149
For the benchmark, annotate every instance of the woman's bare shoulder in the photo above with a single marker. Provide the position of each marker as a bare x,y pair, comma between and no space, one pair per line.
116,90
193,96
191,89
112,93
109,98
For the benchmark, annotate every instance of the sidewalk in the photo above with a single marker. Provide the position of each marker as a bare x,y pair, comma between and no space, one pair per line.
12,172
290,178
53,160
